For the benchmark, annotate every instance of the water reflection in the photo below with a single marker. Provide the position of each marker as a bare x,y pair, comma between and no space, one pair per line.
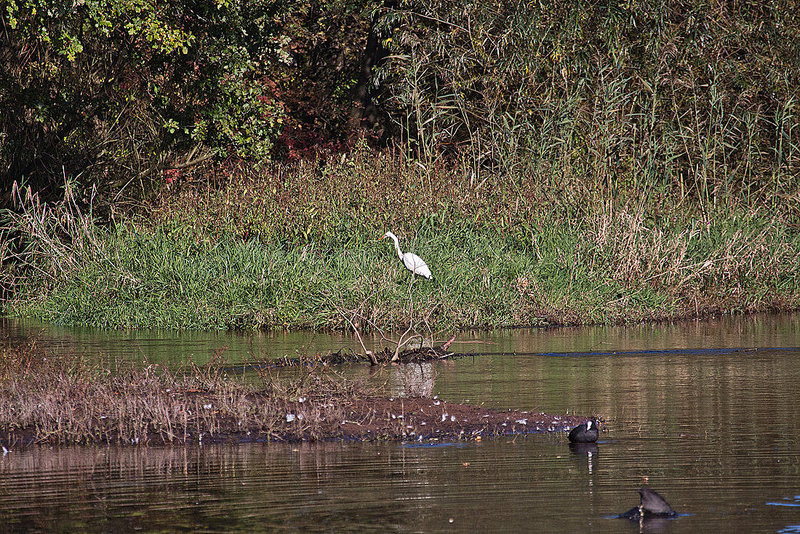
413,380
587,454
177,348
304,487
717,432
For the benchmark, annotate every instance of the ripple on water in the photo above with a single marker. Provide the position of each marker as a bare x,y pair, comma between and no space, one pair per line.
714,430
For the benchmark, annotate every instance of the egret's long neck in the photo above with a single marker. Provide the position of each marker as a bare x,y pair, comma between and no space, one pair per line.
397,247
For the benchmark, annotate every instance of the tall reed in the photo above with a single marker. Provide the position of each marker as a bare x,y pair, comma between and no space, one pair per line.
595,96
298,247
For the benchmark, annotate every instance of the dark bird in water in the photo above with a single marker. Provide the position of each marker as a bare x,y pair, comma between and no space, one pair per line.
584,432
651,505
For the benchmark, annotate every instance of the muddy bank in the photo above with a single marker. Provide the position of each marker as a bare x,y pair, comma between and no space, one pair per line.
67,399
419,419
415,419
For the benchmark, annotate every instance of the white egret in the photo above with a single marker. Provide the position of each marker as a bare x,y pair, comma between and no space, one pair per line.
413,263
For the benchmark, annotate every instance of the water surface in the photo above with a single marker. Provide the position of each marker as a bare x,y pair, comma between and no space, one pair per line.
706,411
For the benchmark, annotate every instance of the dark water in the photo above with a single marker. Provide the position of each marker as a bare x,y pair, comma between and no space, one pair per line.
706,411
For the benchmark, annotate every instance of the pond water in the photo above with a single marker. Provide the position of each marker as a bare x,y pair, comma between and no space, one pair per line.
707,411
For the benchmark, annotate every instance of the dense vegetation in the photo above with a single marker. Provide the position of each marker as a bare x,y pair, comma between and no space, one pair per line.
689,93
299,248
555,162
113,92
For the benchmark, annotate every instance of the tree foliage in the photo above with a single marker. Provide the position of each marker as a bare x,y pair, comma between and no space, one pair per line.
118,89
688,90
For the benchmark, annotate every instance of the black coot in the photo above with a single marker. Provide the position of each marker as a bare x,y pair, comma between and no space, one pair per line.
651,504
584,432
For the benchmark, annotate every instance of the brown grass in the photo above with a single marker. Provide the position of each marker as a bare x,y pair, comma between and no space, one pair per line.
67,399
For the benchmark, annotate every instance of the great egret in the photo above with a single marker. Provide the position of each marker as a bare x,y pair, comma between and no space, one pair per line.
413,263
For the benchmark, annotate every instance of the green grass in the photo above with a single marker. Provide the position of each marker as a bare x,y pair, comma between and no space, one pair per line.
607,266
171,279
554,165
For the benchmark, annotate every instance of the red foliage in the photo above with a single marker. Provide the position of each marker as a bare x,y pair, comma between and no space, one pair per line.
171,175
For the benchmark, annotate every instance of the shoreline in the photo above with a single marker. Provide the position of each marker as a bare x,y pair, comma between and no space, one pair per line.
67,400
404,420
656,319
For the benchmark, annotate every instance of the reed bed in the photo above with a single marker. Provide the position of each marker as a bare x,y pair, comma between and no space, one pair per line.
297,247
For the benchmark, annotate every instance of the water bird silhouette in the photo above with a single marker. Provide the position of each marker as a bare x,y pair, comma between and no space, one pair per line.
651,505
584,432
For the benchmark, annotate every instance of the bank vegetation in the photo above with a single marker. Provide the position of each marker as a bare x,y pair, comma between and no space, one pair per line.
62,399
554,163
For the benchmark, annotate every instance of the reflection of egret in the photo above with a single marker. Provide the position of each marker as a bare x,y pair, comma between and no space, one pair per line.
413,263
413,380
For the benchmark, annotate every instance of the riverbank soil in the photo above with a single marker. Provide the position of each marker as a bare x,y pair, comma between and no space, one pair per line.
409,419
68,399
429,419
